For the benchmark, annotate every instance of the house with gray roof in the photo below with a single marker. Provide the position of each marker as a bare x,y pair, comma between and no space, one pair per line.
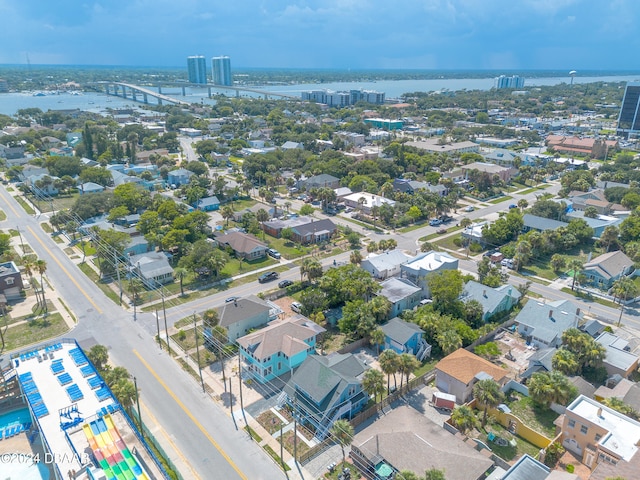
208,204
179,177
599,223
404,439
90,187
626,390
278,348
540,224
10,282
120,178
401,293
405,337
605,269
618,360
385,265
305,229
326,388
540,361
244,245
244,314
493,300
528,468
324,180
542,324
152,268
411,186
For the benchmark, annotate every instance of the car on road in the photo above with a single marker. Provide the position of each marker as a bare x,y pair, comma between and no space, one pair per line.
513,205
446,218
470,208
231,299
442,230
268,276
272,252
507,262
296,307
434,222
285,283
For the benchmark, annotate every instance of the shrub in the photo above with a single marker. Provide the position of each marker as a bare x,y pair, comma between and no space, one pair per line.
457,241
475,247
570,468
182,335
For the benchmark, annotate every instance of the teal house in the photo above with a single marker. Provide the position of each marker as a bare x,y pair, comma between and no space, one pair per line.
278,348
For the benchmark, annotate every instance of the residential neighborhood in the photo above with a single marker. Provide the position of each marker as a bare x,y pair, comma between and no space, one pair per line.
373,291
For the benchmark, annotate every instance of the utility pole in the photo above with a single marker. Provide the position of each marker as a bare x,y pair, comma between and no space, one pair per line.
166,329
117,267
158,329
195,333
135,384
21,242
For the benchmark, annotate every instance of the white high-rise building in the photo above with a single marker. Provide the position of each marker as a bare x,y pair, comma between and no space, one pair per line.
514,81
197,69
221,68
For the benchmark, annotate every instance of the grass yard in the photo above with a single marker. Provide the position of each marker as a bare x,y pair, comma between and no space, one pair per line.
287,248
543,271
415,226
3,216
426,366
186,338
206,357
500,199
235,267
61,202
447,242
539,419
243,203
34,331
25,206
93,276
508,452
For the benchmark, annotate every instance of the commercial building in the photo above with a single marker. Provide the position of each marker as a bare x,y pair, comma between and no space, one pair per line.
221,70
629,120
515,81
197,69
341,99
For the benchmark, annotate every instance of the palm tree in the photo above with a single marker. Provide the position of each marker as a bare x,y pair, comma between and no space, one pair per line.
210,318
463,418
342,432
465,222
624,288
407,364
373,383
565,361
372,246
522,203
449,341
262,216
227,213
376,338
375,211
389,364
41,266
487,393
609,236
576,265
180,273
355,257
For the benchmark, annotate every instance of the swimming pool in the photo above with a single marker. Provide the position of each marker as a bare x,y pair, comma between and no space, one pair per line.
14,418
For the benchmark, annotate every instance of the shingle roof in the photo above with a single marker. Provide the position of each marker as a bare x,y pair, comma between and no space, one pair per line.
241,309
609,265
488,297
400,331
395,289
240,242
407,440
548,320
541,223
323,378
527,468
464,366
287,337
386,260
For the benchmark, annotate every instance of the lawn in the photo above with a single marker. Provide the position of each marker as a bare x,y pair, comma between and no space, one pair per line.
93,276
500,199
447,242
25,206
61,202
34,331
427,366
300,447
508,452
186,339
287,248
537,418
235,267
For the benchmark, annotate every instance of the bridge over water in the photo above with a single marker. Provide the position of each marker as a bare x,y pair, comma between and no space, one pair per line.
142,93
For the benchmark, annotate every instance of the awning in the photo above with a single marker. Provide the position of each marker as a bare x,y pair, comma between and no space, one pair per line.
383,470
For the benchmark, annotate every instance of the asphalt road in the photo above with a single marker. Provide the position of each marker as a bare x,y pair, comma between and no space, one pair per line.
199,429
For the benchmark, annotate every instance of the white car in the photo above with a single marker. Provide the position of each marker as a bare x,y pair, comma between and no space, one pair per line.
470,208
296,307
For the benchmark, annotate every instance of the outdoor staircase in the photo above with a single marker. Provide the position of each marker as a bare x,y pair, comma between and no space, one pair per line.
424,350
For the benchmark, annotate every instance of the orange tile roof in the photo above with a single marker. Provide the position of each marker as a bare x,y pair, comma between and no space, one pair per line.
464,366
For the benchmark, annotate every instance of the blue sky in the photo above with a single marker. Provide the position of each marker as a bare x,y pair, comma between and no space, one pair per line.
357,34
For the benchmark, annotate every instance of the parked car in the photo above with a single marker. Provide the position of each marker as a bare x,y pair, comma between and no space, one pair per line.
445,218
285,283
231,299
470,208
268,276
272,252
507,262
442,230
513,205
434,222
296,307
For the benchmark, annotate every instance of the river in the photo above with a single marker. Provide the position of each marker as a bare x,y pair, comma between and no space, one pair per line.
10,103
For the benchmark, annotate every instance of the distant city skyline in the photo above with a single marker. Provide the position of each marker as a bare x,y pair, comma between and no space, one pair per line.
327,34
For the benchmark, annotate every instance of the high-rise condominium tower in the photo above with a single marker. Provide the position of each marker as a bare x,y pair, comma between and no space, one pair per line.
221,67
197,69
629,118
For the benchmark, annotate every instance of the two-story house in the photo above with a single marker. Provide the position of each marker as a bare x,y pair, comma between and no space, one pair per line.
420,267
244,314
401,293
493,300
405,337
386,264
10,281
605,269
278,348
542,324
326,388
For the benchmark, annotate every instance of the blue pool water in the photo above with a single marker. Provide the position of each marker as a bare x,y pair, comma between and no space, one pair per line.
15,418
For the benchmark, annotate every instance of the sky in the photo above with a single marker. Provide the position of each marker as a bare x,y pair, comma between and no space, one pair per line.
326,34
